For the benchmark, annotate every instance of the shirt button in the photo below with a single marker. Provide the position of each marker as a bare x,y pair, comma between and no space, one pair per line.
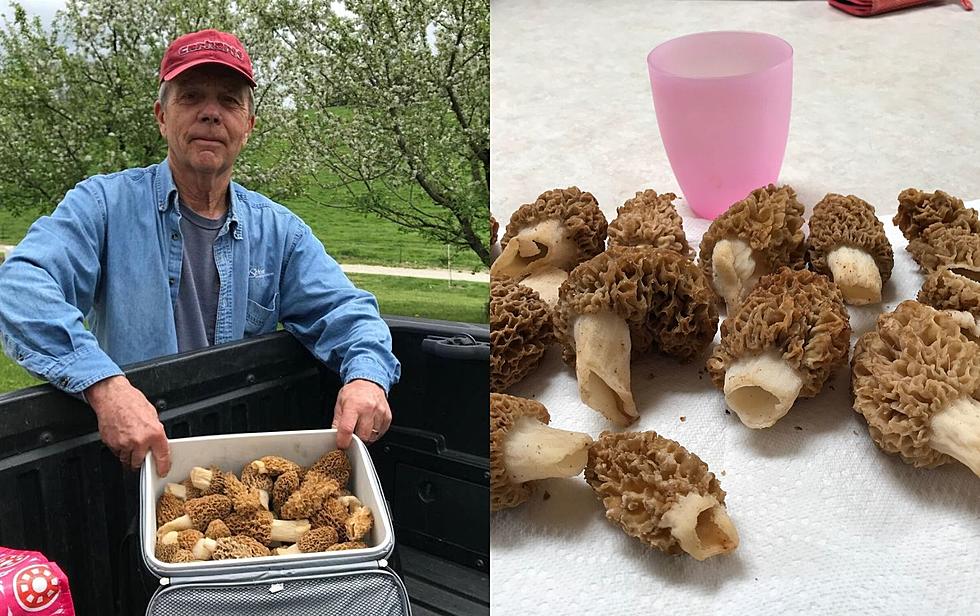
175,237
171,282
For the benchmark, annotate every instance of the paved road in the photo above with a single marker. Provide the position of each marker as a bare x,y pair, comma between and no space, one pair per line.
351,268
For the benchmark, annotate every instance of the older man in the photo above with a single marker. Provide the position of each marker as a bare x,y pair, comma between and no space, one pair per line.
175,257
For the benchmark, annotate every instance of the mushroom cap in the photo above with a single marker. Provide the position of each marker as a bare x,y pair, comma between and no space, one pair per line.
334,464
332,513
166,552
277,465
520,331
317,539
664,298
578,211
256,524
649,219
187,538
800,314
169,508
255,477
769,220
192,491
848,221
504,412
312,493
242,498
217,485
941,245
359,523
639,476
217,529
204,509
285,485
917,211
953,287
914,364
239,546
347,545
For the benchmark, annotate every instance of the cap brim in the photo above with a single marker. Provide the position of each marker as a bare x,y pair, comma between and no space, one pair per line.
181,69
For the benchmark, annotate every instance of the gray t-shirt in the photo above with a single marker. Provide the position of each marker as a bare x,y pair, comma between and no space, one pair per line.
196,310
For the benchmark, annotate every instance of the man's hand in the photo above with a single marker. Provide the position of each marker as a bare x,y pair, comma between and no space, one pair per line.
128,423
362,408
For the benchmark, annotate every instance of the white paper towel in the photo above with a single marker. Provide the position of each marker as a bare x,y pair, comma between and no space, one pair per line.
828,523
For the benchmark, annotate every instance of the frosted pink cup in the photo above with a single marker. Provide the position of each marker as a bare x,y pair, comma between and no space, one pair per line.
722,102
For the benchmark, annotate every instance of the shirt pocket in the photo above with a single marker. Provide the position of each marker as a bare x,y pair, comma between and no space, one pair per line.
262,307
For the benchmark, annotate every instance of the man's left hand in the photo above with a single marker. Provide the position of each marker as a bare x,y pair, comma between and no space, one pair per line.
361,408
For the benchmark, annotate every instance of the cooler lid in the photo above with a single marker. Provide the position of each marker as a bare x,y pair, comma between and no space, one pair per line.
376,592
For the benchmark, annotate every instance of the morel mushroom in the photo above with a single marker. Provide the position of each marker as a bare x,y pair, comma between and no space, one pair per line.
261,526
649,219
169,507
918,211
217,529
953,287
562,228
916,380
789,335
940,245
285,485
626,302
520,331
313,491
335,465
754,237
238,546
168,549
316,540
848,243
347,545
198,513
523,448
208,480
660,493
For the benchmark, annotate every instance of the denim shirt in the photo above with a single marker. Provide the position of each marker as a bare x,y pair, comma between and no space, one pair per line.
110,255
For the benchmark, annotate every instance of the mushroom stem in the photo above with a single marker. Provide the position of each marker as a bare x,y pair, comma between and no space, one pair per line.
546,281
534,450
602,365
701,526
762,388
733,271
956,432
178,490
544,242
184,522
288,531
857,275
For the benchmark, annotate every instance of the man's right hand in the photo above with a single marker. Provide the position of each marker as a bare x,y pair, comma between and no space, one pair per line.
128,423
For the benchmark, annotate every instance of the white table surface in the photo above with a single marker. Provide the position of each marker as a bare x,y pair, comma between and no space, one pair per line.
828,523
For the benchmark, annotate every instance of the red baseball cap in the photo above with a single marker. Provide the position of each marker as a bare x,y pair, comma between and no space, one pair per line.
205,47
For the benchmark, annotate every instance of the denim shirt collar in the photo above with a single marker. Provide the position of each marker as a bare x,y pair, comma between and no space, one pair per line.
166,193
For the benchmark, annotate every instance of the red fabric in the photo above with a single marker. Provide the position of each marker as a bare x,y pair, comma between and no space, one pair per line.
31,585
865,8
205,47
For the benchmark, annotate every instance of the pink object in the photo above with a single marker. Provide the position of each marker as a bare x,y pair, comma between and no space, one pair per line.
723,101
30,585
867,8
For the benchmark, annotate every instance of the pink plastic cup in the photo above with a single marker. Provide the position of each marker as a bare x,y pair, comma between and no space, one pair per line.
722,101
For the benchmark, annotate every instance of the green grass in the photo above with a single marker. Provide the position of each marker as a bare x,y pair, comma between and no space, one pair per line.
431,299
418,297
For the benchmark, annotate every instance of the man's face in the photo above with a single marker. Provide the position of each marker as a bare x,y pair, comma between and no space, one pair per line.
206,120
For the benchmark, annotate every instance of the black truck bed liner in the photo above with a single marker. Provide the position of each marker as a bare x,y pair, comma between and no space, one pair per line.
64,494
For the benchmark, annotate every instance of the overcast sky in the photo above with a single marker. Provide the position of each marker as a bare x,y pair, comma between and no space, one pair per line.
42,8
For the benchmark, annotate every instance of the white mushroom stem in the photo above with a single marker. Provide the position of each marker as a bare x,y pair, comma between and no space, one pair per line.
545,242
289,531
967,322
534,450
204,548
857,275
170,538
546,281
734,271
283,551
201,478
762,388
956,432
263,499
184,522
178,490
602,365
701,526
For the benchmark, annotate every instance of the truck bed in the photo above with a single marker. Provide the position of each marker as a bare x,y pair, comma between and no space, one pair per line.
64,494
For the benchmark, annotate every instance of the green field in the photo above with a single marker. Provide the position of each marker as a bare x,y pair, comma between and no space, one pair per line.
349,236
420,297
